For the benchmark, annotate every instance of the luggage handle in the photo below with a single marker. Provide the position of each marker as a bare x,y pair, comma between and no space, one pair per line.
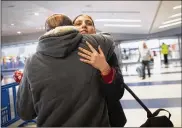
158,110
149,114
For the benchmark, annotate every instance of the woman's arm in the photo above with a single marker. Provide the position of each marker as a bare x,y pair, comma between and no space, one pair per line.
110,71
115,89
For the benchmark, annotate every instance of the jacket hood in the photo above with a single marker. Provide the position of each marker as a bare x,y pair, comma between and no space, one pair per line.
59,42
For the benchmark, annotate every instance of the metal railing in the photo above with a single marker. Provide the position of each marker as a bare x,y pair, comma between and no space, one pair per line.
8,109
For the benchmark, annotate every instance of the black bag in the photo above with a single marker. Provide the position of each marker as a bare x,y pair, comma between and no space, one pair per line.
153,120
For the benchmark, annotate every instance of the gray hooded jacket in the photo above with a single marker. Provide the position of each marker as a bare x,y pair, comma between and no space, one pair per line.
58,88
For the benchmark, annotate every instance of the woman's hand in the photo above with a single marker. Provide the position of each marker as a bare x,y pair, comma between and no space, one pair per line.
97,60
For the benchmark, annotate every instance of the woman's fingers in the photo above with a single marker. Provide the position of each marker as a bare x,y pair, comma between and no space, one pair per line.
85,51
84,55
85,61
90,46
100,51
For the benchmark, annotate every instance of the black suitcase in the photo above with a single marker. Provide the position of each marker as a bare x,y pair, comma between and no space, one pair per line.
153,120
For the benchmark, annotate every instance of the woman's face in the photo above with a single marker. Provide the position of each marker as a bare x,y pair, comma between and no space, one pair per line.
85,25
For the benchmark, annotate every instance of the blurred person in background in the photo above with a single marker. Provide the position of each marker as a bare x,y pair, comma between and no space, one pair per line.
146,58
165,51
57,95
85,25
154,53
1,76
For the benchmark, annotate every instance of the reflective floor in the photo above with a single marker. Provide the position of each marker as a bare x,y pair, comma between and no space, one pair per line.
161,90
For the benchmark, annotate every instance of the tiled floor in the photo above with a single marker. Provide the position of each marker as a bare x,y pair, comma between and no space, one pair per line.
158,91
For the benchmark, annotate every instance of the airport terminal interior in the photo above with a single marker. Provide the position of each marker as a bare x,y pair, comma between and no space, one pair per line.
130,23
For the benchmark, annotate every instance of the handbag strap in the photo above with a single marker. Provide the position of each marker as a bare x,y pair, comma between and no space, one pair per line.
158,110
149,114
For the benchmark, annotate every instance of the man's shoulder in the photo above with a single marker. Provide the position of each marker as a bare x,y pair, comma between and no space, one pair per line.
100,37
30,59
105,41
107,37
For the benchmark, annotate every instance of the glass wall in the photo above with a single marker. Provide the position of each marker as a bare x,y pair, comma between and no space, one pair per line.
14,56
173,44
179,40
128,51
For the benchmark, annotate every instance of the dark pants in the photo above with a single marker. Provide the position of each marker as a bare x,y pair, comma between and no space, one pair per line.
165,58
146,63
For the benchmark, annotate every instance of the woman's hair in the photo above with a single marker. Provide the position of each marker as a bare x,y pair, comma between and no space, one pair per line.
57,20
84,15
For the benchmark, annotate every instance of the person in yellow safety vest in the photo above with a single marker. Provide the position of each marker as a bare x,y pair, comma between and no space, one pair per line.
165,51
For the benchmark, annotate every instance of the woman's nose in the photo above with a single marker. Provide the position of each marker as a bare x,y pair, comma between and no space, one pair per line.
84,25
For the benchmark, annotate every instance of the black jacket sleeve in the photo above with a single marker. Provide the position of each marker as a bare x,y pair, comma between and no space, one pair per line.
115,90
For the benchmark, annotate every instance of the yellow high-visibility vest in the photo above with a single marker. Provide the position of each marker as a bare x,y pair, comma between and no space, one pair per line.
165,49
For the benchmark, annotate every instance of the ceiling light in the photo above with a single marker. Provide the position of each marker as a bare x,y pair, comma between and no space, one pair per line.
117,20
177,7
170,21
19,32
168,25
36,14
12,24
175,15
121,25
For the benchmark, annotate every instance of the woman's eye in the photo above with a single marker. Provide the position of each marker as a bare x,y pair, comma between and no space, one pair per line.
89,24
78,23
